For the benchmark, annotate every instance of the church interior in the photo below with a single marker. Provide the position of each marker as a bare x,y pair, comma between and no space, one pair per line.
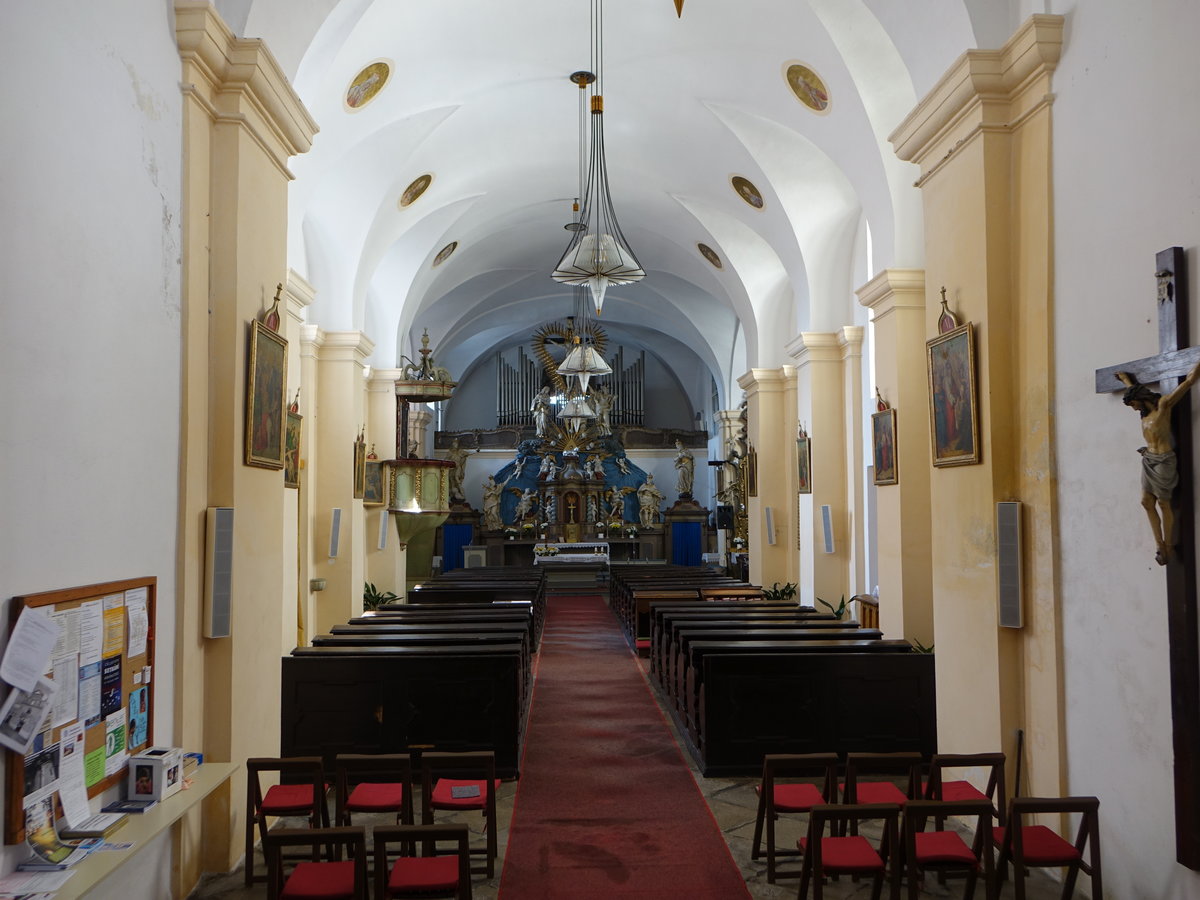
837,300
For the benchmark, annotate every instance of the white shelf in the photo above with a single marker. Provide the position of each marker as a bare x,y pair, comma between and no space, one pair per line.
141,828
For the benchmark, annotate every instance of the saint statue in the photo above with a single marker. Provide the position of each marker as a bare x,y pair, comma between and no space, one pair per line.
1160,472
492,492
602,401
458,456
525,503
649,497
685,465
541,411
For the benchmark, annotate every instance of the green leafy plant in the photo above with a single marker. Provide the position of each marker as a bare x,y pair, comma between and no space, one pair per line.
839,610
778,593
373,598
919,647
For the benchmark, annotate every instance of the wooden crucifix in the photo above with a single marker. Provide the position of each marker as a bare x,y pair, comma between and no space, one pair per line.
1174,362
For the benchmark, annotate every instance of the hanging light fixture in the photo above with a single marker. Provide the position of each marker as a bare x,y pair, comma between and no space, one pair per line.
598,254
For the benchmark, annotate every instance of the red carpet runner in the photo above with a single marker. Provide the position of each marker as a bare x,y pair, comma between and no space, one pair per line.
606,806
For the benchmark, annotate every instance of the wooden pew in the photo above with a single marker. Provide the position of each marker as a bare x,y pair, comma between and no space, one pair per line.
392,699
817,702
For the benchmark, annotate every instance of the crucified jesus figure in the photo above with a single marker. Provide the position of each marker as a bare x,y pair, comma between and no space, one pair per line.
1160,472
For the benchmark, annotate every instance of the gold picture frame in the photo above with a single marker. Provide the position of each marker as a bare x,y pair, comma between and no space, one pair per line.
360,469
804,464
953,397
883,445
265,380
374,484
291,451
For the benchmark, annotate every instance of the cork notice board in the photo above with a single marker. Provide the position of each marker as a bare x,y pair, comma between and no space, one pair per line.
102,667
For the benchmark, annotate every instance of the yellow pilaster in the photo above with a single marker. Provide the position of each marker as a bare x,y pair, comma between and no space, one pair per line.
982,138
771,429
340,417
241,123
384,567
896,298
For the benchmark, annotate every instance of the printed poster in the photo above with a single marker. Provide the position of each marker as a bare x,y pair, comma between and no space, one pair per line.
110,686
91,632
115,756
114,625
139,717
89,693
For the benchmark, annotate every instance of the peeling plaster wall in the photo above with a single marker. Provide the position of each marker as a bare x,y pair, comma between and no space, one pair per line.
90,376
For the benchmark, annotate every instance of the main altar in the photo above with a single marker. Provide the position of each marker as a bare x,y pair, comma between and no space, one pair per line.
571,480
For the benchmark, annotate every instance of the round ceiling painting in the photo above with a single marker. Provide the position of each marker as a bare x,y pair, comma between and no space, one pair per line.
444,253
808,87
711,255
415,190
367,84
747,191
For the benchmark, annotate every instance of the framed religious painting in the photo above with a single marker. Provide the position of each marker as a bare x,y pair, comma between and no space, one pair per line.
803,463
953,398
752,473
883,442
360,469
291,451
374,484
267,375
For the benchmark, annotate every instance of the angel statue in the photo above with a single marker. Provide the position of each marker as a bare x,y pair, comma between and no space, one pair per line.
526,501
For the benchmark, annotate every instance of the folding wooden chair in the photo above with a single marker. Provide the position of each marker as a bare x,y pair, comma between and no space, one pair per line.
300,793
1037,846
332,878
427,875
475,791
853,854
791,783
372,783
945,850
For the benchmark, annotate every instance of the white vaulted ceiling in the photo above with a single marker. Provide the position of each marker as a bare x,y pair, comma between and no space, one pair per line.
479,97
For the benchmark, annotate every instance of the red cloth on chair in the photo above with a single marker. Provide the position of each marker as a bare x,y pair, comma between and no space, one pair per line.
935,847
799,797
375,797
288,799
1042,846
442,797
424,873
853,854
320,881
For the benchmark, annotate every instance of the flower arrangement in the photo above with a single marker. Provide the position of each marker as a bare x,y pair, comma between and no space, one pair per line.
631,531
527,528
544,550
739,543
510,532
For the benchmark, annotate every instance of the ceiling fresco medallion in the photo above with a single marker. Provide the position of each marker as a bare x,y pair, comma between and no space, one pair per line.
807,86
415,190
747,191
444,253
367,84
711,255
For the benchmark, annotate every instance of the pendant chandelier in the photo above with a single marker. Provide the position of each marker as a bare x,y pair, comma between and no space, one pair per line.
583,361
598,254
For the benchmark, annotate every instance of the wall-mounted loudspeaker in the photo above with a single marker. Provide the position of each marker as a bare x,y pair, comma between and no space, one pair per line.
827,527
1008,563
724,516
770,518
383,527
218,571
335,532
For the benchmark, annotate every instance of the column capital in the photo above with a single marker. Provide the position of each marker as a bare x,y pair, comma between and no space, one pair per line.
346,346
383,381
892,290
974,78
815,346
851,340
763,381
299,295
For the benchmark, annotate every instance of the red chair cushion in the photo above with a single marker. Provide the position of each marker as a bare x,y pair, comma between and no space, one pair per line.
441,796
958,791
877,792
320,881
935,847
796,797
852,854
425,873
643,643
288,799
375,797
1042,846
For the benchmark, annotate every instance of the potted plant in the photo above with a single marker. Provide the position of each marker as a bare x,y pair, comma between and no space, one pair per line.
839,610
373,598
778,593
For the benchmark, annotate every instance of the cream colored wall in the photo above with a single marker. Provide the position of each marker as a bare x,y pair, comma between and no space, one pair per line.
981,138
384,568
243,122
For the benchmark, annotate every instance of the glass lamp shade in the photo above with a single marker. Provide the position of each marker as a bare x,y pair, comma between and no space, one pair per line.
583,362
598,260
576,412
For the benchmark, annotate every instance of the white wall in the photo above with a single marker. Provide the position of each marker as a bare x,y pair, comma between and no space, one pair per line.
1126,134
89,309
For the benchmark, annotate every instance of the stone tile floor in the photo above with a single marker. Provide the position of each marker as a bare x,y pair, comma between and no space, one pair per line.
733,803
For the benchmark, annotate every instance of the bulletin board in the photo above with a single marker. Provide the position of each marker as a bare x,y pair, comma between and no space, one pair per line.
106,635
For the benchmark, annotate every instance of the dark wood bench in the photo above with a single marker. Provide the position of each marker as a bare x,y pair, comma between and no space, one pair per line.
816,702
392,699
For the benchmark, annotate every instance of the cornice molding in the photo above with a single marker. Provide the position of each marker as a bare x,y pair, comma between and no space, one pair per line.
763,381
978,76
850,341
383,381
244,68
893,289
346,346
816,346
